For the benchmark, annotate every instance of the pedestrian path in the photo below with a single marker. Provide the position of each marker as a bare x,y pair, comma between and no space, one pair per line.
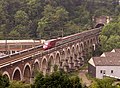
82,75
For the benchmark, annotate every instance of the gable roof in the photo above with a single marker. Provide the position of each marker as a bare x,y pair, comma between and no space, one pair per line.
110,54
107,59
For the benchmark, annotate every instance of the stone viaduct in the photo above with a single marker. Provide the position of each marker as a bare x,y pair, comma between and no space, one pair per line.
67,56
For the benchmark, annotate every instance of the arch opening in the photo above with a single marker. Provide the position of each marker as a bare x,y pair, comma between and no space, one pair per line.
77,49
27,74
68,53
73,50
81,48
63,55
16,75
44,66
51,64
57,59
36,66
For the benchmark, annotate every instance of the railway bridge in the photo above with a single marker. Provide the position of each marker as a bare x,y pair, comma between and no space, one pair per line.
69,55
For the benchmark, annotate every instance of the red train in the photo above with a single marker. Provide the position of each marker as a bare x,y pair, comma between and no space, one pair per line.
50,43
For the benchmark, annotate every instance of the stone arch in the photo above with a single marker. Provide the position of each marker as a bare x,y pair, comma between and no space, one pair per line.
96,40
73,49
6,74
85,44
63,55
88,43
17,75
44,65
51,63
57,60
36,65
91,41
81,47
27,73
68,52
77,48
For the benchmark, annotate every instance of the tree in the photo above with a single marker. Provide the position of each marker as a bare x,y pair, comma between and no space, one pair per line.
52,22
14,34
102,83
21,17
18,84
21,32
75,81
82,17
110,36
4,81
57,79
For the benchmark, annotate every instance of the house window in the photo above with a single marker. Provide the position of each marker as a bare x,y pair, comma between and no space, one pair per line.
100,71
103,71
111,71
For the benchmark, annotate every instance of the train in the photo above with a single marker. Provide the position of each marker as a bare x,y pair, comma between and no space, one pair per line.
63,40
50,43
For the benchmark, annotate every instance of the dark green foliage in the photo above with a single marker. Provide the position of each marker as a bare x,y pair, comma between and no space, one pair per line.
103,83
25,19
57,80
4,81
18,84
110,36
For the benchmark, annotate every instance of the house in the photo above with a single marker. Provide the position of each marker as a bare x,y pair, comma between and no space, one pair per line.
108,64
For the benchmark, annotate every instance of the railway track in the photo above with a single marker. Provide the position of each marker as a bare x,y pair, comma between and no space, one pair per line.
19,56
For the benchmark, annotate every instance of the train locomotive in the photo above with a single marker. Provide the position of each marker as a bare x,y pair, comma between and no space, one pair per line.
50,43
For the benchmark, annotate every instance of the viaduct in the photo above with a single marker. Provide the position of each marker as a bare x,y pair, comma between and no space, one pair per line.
68,56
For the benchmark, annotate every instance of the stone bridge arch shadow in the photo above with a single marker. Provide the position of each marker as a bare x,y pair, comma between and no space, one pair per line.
27,73
44,64
36,66
17,75
51,63
57,61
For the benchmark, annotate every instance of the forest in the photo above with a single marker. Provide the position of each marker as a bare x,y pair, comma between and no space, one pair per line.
46,19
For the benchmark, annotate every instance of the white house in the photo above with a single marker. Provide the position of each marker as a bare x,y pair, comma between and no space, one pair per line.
108,64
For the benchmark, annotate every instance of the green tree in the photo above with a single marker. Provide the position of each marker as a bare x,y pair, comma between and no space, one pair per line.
82,17
18,84
52,22
110,36
14,34
4,81
21,17
102,83
21,32
57,79
75,81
